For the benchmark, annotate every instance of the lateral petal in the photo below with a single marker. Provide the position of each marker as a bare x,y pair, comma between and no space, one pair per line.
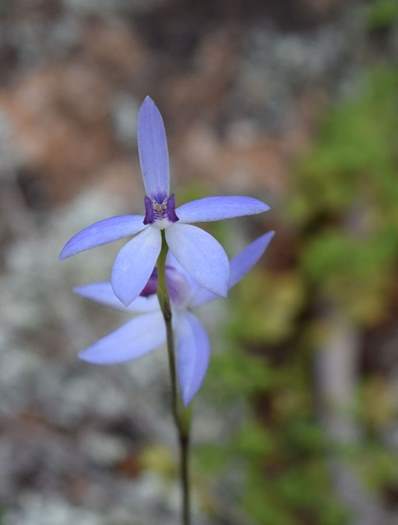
242,263
201,255
134,339
219,207
153,150
193,353
103,232
103,293
240,266
134,264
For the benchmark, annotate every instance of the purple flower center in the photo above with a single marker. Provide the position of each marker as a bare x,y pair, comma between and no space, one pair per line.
177,286
160,208
152,285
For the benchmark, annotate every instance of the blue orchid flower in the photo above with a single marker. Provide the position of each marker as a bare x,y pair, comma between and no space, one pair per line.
198,253
147,331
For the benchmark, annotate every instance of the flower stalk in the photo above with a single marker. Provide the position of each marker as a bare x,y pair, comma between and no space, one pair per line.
198,271
181,415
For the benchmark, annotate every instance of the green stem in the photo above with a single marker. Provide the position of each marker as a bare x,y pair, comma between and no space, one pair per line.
180,413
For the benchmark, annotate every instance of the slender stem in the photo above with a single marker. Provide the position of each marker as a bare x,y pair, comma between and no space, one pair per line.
185,484
180,413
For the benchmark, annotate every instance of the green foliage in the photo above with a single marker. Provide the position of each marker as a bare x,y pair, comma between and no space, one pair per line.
343,210
273,318
347,190
353,272
354,161
286,476
232,372
377,465
382,14
377,405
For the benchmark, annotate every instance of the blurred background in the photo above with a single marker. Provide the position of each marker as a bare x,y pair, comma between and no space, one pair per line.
294,102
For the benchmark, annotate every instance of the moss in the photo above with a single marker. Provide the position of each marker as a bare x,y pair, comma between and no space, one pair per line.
343,208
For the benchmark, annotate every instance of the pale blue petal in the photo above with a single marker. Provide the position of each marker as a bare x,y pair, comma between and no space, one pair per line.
217,208
200,255
103,293
171,262
134,265
202,296
132,340
248,257
102,232
193,353
152,150
100,293
178,287
240,266
144,304
180,283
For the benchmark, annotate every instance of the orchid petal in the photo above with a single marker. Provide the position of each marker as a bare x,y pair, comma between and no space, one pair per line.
103,232
193,353
152,150
103,293
171,262
144,304
180,284
132,340
202,296
216,208
134,265
242,263
240,266
178,287
201,255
